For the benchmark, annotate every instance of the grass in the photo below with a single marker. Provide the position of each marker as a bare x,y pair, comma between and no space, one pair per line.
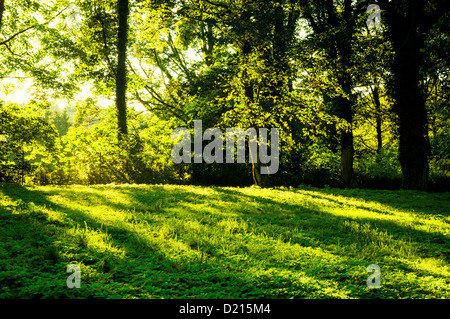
166,241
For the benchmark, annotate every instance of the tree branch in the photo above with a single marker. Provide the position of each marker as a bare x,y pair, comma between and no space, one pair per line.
30,27
222,5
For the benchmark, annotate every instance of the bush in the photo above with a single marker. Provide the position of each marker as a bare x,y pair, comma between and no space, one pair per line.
439,175
380,170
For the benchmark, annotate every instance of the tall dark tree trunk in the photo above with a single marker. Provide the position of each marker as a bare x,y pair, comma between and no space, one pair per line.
121,74
410,108
404,22
346,103
345,110
347,150
377,104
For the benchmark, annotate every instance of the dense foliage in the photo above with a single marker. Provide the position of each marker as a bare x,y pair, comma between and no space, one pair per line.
335,88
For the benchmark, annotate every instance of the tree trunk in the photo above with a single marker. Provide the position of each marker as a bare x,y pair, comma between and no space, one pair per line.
409,103
121,74
262,180
347,149
410,106
376,102
345,110
257,177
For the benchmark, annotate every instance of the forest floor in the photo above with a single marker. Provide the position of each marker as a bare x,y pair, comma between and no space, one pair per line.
166,241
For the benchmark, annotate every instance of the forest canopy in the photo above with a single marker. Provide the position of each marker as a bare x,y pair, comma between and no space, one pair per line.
356,104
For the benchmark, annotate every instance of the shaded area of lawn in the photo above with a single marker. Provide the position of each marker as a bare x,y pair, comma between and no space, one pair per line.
164,241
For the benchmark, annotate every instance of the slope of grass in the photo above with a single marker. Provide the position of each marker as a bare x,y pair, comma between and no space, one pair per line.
165,241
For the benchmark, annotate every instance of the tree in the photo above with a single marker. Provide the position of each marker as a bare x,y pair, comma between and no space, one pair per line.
408,22
25,29
121,73
334,27
25,137
261,33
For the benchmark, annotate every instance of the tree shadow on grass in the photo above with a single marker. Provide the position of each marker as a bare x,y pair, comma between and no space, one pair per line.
224,273
143,268
147,270
307,218
308,215
396,230
28,246
326,221
417,201
36,223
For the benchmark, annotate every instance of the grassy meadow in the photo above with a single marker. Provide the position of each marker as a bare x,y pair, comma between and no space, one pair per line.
166,241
